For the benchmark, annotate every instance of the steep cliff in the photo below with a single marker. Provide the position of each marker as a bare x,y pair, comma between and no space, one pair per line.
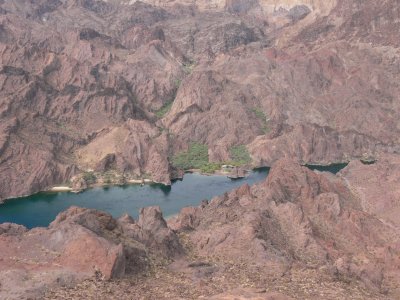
85,81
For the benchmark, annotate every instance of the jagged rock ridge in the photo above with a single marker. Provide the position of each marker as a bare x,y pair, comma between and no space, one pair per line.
85,81
299,234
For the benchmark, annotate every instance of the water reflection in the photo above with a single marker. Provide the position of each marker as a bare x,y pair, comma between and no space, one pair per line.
166,189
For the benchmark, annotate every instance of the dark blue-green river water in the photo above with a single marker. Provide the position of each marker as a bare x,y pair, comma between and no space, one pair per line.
40,209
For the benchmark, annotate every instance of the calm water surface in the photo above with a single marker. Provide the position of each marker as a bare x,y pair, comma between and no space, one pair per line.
334,168
41,209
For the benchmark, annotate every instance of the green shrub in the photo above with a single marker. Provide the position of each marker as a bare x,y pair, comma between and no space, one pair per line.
89,177
177,83
189,67
211,168
262,117
167,105
164,109
108,177
240,155
195,158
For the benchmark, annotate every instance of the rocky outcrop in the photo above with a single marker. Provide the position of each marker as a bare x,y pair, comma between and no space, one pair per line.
313,144
302,218
294,235
126,85
299,234
87,93
80,243
380,200
12,229
152,230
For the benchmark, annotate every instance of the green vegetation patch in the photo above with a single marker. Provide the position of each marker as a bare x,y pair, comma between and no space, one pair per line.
89,177
108,177
164,109
189,67
167,105
262,117
195,158
240,155
211,168
177,84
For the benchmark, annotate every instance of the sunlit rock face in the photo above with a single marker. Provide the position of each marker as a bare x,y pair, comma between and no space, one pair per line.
123,86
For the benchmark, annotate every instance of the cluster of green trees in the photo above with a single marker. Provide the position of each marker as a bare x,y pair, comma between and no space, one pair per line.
196,157
89,177
240,155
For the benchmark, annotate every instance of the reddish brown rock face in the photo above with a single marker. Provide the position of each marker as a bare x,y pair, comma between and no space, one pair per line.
381,200
83,82
124,85
299,218
79,244
298,234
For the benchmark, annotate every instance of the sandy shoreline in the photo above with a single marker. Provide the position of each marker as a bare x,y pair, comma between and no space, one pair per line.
67,189
60,189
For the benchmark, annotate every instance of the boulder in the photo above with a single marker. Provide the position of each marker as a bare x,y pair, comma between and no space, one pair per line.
79,244
12,229
152,230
